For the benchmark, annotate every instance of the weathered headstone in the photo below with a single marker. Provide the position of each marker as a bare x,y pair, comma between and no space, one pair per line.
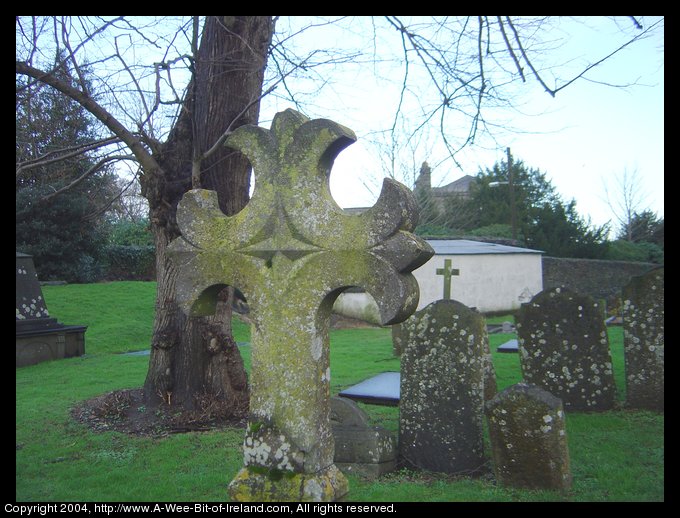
360,448
291,251
528,439
643,340
397,339
442,389
564,349
507,327
40,337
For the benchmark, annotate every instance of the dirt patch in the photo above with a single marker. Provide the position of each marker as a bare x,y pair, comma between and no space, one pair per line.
125,411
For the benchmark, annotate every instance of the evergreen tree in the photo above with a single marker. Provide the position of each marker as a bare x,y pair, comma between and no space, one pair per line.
543,220
644,227
63,233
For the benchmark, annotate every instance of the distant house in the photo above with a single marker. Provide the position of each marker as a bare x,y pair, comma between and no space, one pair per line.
487,276
423,189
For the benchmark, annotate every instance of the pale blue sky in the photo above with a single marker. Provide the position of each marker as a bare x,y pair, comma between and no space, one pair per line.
583,138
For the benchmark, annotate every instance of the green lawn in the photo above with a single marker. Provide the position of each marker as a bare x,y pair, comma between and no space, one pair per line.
615,456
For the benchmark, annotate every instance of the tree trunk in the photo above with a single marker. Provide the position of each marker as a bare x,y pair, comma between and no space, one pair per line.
194,360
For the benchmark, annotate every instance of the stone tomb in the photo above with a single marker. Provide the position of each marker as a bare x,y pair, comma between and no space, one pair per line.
291,251
528,439
643,340
39,337
564,349
442,389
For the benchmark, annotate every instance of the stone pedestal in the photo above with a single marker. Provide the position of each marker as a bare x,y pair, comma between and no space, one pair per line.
39,337
253,484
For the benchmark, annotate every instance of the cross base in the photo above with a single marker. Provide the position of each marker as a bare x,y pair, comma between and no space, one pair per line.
252,485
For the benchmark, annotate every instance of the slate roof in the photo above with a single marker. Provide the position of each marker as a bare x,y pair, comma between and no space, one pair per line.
467,247
462,185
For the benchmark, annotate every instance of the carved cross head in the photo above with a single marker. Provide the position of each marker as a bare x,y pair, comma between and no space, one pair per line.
292,231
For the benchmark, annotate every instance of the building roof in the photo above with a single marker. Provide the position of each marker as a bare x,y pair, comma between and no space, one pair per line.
467,247
459,186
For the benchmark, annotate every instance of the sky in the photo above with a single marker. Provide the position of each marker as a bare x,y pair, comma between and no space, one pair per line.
583,139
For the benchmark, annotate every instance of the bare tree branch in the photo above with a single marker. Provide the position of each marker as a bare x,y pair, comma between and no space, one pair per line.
63,154
101,210
511,51
145,158
96,167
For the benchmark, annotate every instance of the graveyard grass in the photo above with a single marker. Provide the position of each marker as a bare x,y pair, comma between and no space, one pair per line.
615,456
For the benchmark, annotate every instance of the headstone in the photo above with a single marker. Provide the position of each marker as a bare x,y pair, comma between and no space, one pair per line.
447,272
507,327
369,451
442,389
490,386
528,439
381,389
643,340
291,251
397,339
40,337
564,349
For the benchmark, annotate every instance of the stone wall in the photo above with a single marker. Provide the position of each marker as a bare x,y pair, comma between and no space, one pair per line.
597,278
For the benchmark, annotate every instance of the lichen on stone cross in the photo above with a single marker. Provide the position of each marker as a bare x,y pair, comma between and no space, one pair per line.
291,251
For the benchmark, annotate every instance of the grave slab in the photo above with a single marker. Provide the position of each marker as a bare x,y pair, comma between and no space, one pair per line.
511,346
382,389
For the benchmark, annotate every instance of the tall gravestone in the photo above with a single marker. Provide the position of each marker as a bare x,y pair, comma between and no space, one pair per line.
291,251
643,340
442,388
528,439
564,349
39,337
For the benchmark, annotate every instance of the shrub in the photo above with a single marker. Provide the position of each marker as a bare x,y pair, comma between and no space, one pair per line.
622,250
131,262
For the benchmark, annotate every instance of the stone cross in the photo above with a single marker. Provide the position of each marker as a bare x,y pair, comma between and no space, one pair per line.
291,251
447,272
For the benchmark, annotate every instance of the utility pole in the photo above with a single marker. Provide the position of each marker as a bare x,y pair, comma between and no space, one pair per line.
513,215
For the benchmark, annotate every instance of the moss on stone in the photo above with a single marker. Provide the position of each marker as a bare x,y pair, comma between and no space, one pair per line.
290,251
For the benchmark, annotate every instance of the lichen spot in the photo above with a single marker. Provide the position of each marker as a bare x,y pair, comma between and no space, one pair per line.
317,347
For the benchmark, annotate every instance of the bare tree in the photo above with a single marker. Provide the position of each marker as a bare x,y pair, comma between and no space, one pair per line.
129,205
191,357
626,197
170,90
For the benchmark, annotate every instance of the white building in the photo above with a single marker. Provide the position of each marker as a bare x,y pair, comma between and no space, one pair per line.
489,277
